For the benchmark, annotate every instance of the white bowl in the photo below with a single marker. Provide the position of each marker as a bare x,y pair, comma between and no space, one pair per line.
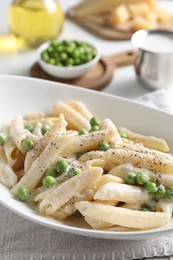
27,94
66,72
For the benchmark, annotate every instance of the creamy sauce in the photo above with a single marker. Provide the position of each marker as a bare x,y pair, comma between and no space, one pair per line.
157,43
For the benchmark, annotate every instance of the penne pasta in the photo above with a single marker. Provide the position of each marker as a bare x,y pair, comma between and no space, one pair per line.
69,208
58,129
122,192
35,174
158,177
89,141
60,195
123,217
80,108
148,161
74,118
148,141
18,133
43,120
7,175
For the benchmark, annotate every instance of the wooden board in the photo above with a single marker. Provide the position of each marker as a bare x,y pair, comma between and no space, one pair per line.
98,77
98,25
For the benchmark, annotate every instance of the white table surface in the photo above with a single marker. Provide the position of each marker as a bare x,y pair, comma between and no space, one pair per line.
124,82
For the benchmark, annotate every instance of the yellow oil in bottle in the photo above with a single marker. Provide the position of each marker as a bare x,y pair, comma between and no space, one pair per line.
36,21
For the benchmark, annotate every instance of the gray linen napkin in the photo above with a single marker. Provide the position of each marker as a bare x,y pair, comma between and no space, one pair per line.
21,239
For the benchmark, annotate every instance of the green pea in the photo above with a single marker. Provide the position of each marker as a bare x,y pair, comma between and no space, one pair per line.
130,178
77,61
45,56
142,177
27,145
22,193
44,129
60,48
54,43
29,127
52,61
69,50
79,43
103,146
123,135
150,187
82,50
67,42
160,193
49,181
169,193
94,121
63,56
50,49
61,166
2,139
73,171
59,64
95,128
50,172
88,57
76,53
82,131
69,62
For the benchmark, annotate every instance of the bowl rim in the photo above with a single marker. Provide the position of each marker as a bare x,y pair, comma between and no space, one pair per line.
70,68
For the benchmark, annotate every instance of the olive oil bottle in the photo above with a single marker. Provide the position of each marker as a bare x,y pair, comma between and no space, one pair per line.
35,21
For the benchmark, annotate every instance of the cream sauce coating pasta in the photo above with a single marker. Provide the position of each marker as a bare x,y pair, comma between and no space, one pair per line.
74,169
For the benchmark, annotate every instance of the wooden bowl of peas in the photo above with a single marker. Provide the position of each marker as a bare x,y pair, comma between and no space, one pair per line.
67,59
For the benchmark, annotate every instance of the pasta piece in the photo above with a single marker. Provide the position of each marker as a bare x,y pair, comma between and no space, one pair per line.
158,177
107,124
37,130
69,208
165,205
58,129
93,155
50,154
89,141
18,133
142,149
123,217
11,151
120,229
97,224
148,141
80,108
44,121
109,178
58,196
72,116
96,155
7,175
122,192
149,161
95,163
